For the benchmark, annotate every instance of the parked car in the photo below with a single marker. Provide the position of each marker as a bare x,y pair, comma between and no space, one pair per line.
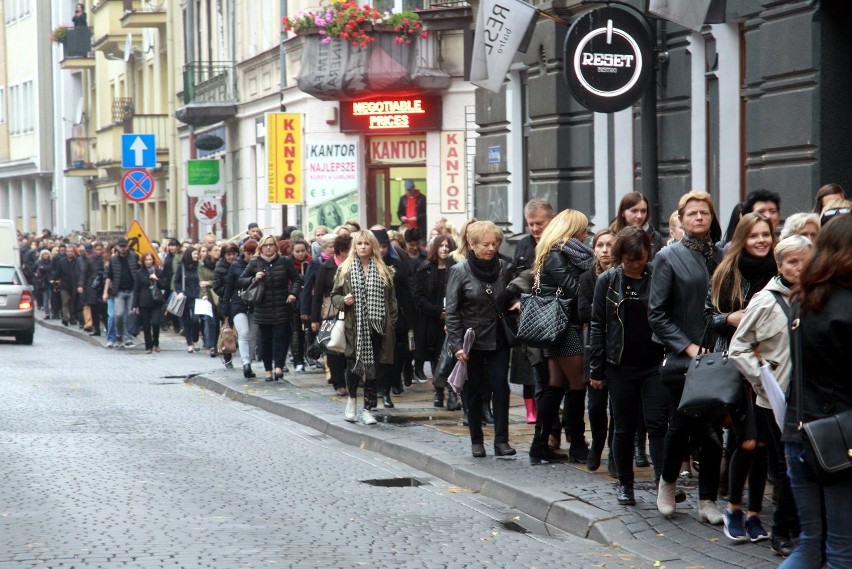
17,312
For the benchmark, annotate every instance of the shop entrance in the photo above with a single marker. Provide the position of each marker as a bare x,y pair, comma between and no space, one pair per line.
384,188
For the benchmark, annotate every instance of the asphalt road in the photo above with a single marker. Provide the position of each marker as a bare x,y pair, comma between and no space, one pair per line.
108,459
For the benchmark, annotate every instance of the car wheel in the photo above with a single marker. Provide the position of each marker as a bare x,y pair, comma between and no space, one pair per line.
25,338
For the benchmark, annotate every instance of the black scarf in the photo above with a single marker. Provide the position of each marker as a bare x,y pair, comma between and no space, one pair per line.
703,245
758,271
485,270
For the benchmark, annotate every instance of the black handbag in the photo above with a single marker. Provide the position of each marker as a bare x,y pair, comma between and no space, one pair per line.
713,384
253,294
544,319
509,326
827,441
446,363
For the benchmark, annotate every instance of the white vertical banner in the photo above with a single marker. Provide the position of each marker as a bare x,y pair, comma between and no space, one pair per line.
453,172
501,26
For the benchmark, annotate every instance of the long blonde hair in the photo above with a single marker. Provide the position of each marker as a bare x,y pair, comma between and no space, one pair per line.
730,264
567,224
346,266
460,254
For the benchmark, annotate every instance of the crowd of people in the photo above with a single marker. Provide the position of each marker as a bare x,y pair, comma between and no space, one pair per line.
639,309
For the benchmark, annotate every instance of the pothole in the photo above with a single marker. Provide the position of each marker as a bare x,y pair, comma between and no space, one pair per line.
514,526
402,482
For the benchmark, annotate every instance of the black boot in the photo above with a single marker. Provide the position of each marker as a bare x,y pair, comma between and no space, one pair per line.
547,410
487,417
439,397
576,425
593,461
453,403
247,372
386,399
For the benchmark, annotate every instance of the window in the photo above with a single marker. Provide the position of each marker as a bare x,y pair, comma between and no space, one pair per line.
13,109
2,105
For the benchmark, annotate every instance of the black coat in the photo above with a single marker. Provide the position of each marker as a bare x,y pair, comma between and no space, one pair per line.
168,270
559,272
406,313
230,303
66,271
43,272
187,280
220,271
91,278
114,272
678,291
826,344
323,281
587,295
430,287
524,254
282,280
306,298
468,306
142,297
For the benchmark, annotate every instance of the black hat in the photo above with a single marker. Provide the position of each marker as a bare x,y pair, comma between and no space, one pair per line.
381,236
121,242
412,235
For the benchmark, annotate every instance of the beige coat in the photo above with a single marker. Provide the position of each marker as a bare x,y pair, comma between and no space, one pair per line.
388,340
764,328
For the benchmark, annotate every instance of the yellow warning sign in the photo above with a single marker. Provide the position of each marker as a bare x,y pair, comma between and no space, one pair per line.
139,242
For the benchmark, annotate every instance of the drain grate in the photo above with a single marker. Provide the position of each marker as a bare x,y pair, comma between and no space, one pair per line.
403,482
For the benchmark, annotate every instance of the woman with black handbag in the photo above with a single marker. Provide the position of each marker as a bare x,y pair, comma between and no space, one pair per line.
364,290
561,257
477,298
188,284
682,274
430,287
747,267
625,357
824,297
241,314
148,300
274,311
335,250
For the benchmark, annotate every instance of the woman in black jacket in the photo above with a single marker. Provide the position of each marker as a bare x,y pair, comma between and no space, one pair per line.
682,274
825,324
624,356
241,315
747,267
561,256
275,310
229,254
430,287
188,284
477,298
148,300
321,307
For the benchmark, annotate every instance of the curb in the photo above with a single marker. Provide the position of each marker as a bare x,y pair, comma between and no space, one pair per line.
562,512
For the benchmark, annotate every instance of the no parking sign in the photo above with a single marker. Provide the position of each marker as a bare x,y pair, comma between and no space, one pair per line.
137,185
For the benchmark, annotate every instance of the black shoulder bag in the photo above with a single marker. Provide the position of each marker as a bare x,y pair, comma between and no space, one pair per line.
509,330
713,383
827,441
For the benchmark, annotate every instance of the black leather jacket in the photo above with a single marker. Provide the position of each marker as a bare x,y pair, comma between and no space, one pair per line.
468,306
678,291
606,332
558,272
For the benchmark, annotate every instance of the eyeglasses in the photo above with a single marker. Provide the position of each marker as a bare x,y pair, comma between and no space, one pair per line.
269,244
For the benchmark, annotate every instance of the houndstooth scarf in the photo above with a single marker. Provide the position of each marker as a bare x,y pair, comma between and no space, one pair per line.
369,316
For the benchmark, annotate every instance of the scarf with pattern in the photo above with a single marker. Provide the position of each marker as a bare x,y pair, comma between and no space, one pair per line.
703,245
369,294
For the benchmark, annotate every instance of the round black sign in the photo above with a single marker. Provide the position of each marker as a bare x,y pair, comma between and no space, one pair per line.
607,59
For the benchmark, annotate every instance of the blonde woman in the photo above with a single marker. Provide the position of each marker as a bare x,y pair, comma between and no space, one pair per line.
561,257
460,254
363,289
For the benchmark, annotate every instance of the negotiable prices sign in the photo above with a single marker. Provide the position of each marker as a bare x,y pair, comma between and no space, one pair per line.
391,114
608,59
284,154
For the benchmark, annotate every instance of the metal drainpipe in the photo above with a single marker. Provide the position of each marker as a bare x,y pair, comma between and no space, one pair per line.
650,170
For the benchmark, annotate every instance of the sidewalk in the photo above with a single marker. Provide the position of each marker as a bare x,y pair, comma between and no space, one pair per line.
565,496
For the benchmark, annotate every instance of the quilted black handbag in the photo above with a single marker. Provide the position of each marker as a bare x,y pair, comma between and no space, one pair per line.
827,441
544,319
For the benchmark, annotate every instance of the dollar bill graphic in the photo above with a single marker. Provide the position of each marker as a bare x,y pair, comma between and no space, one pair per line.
333,212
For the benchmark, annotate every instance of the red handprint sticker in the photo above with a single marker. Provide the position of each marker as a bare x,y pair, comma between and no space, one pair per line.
209,210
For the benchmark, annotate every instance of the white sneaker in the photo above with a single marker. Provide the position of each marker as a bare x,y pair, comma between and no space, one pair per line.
666,497
300,367
708,512
367,417
110,344
349,412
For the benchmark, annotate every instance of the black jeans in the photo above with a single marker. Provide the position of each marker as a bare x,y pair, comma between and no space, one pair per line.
273,339
627,387
488,375
337,368
370,383
150,317
706,432
599,424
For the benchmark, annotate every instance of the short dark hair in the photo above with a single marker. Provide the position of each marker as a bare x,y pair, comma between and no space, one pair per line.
762,195
342,244
230,248
631,241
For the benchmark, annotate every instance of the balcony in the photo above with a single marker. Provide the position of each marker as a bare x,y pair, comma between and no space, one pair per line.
77,49
209,94
109,135
78,157
109,36
139,14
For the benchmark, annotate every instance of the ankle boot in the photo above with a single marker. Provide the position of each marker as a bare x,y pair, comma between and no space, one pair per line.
487,417
531,411
439,397
453,403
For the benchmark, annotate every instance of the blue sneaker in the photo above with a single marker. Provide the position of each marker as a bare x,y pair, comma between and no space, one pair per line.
755,529
734,527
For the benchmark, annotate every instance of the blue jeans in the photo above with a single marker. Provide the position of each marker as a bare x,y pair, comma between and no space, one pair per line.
123,304
111,320
825,515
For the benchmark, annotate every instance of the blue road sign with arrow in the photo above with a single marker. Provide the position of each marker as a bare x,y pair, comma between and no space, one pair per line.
138,151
